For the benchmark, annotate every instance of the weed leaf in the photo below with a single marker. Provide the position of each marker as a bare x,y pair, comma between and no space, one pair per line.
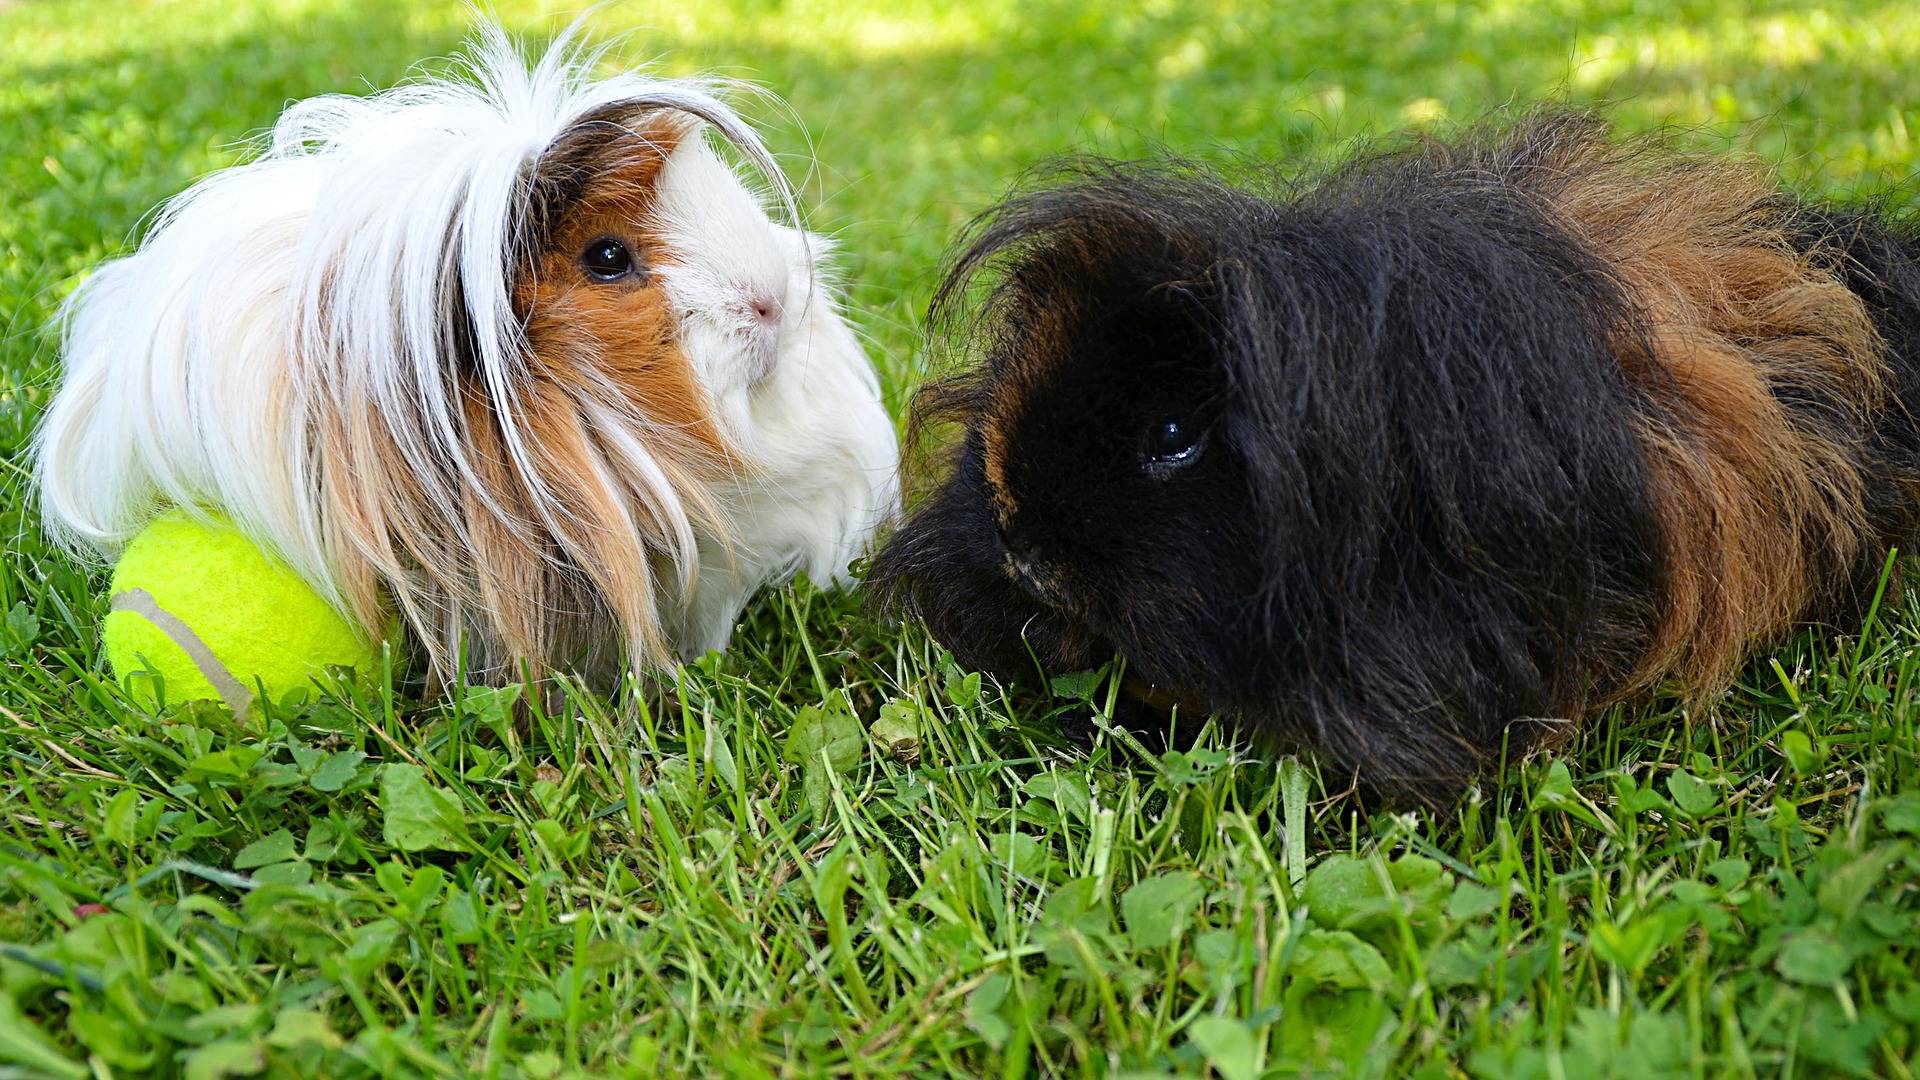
1228,1046
1157,909
416,816
824,739
1694,796
274,847
897,730
1339,959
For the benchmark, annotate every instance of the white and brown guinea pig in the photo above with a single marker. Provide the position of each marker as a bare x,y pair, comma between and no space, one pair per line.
513,354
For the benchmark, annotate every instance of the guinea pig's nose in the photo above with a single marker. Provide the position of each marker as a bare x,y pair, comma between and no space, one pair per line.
764,307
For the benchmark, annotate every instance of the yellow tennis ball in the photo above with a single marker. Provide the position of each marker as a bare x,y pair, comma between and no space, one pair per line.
216,617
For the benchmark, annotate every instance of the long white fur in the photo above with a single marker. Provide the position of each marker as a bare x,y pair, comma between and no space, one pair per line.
321,282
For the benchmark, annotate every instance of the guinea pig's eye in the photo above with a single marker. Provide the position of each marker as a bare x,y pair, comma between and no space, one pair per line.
1172,443
607,259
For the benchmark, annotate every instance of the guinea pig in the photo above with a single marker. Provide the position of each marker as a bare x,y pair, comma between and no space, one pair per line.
512,354
1424,461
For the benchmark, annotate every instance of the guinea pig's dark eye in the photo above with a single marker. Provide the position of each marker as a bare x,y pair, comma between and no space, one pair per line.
1172,442
607,259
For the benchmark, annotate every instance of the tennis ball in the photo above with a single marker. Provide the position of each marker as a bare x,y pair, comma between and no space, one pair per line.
216,617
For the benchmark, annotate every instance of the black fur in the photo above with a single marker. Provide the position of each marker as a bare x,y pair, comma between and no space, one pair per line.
1420,516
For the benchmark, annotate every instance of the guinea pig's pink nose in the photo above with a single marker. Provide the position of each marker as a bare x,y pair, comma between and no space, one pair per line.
765,307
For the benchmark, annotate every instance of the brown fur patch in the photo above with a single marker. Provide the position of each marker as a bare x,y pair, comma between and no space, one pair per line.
1760,505
993,440
620,337
1046,323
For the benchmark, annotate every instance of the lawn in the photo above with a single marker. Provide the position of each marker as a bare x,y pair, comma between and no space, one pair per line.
683,883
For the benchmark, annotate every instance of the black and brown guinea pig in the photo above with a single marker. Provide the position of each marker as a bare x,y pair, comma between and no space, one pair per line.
1424,460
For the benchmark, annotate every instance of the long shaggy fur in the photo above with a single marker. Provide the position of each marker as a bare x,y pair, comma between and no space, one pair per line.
1491,433
376,350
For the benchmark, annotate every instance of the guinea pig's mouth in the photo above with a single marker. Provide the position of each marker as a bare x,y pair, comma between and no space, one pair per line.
763,357
760,324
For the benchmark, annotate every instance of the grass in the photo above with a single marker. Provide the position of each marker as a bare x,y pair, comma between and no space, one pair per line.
734,875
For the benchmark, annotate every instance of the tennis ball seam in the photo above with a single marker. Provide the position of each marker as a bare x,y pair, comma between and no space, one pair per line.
138,601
